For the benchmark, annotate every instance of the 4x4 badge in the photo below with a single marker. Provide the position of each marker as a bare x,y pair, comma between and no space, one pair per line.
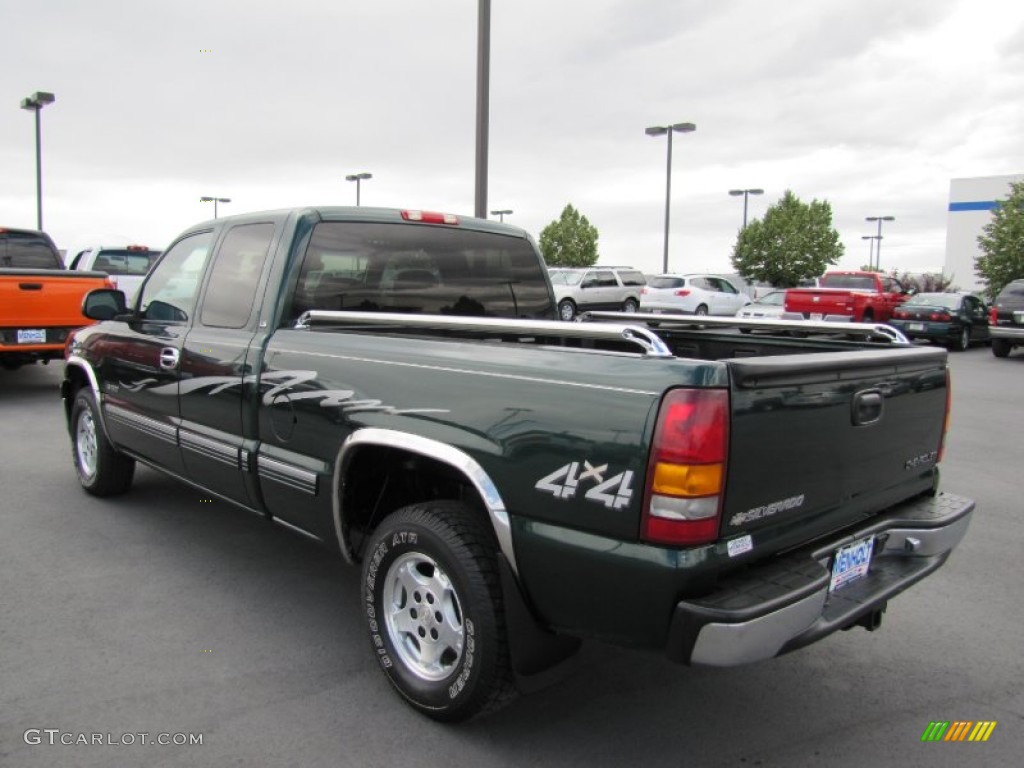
615,492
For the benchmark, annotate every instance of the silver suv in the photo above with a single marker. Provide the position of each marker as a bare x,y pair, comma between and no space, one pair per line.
610,288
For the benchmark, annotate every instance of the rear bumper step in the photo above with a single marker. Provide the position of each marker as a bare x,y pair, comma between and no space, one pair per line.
785,604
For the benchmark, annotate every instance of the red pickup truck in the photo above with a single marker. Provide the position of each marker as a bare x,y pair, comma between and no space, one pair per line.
865,297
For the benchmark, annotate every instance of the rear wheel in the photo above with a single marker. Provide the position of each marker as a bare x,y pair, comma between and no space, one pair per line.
868,317
701,310
566,309
1000,347
630,305
102,471
434,610
962,340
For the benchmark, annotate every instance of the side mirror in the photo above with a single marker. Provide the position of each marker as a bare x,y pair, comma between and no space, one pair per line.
104,304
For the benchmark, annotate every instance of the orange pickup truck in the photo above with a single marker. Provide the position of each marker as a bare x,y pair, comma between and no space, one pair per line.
40,301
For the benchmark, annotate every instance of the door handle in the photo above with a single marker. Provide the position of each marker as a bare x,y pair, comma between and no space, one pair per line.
169,358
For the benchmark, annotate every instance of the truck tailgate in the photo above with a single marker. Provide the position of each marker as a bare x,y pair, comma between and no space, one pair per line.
45,298
827,440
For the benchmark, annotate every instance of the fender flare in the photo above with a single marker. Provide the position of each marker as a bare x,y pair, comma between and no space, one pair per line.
432,449
74,361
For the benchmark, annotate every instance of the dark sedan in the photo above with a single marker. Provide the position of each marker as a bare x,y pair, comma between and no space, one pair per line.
954,319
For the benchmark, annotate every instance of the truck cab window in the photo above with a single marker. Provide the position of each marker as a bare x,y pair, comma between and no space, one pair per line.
231,291
169,295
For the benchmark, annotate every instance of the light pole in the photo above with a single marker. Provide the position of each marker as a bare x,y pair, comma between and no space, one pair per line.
358,178
878,248
501,214
746,193
214,200
660,130
35,103
871,248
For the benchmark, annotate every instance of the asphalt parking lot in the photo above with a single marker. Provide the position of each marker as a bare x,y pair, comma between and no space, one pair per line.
166,613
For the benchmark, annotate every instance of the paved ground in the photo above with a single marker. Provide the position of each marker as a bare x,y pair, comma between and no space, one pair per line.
163,612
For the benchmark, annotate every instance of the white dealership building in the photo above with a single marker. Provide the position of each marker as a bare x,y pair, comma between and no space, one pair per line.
971,202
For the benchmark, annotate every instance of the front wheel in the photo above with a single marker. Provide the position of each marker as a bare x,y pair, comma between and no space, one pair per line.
433,605
102,471
630,305
566,310
702,310
1000,347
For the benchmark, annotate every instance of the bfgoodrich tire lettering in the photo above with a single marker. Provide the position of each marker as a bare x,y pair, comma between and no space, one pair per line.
432,600
101,470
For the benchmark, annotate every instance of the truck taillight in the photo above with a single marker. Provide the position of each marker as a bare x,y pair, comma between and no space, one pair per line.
993,316
686,473
945,420
430,217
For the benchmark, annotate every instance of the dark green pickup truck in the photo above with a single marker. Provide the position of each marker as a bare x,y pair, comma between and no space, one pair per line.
395,385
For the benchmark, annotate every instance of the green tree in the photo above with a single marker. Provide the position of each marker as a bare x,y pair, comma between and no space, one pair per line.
569,241
794,241
1002,243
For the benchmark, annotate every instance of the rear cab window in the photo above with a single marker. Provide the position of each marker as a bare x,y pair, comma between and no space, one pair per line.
125,261
383,267
28,250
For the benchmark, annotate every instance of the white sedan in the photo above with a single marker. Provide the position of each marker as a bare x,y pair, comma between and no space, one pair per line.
692,295
770,306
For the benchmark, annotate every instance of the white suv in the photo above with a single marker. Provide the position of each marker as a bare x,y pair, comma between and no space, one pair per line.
692,295
609,288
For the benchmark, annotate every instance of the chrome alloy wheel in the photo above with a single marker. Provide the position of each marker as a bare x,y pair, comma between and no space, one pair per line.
86,444
423,617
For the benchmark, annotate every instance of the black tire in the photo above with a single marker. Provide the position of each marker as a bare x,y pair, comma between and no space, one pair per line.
1000,347
962,340
566,309
701,310
630,305
451,661
101,470
868,317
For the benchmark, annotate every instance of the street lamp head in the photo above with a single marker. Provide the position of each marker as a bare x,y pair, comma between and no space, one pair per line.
358,176
504,212
207,199
684,127
880,218
656,130
37,100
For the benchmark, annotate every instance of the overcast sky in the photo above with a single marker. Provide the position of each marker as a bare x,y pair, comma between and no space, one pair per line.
872,105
